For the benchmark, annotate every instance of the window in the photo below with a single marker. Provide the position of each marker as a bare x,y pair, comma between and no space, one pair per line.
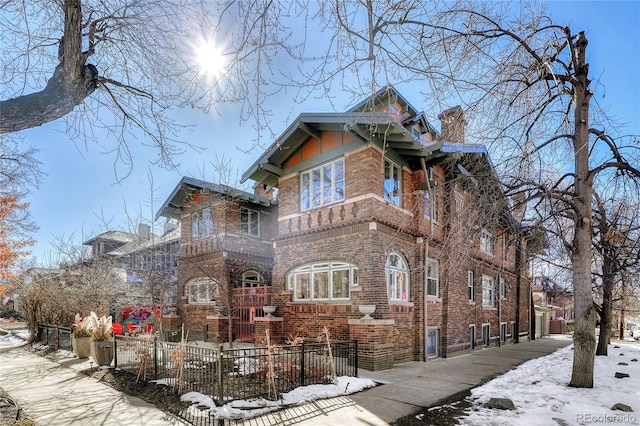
322,185
488,292
472,337
415,132
397,273
485,335
503,332
251,279
513,330
201,224
503,288
322,281
486,241
433,288
392,182
201,291
249,222
470,288
433,336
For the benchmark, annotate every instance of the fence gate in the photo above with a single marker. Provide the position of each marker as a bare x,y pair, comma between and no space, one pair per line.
247,304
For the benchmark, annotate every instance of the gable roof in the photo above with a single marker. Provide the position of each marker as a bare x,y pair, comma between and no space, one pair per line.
174,206
368,124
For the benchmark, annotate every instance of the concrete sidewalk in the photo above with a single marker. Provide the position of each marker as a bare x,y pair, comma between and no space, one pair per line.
54,394
411,386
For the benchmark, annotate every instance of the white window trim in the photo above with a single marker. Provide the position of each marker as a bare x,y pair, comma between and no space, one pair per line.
487,241
488,292
393,271
250,213
335,196
202,281
431,276
471,290
310,269
198,229
390,197
503,288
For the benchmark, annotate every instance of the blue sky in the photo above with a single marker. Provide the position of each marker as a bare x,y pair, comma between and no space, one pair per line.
80,196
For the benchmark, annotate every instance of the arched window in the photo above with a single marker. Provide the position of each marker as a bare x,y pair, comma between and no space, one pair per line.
251,279
325,281
397,273
201,291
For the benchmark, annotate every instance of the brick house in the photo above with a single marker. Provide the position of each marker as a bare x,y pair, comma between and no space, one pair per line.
373,207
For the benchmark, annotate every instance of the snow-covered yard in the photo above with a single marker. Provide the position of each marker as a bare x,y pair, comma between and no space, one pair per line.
539,391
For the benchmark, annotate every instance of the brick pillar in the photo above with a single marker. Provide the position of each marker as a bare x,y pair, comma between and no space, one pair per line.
217,328
375,342
274,324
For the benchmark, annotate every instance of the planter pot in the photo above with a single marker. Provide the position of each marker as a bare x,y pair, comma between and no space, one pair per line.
81,346
367,310
269,310
102,352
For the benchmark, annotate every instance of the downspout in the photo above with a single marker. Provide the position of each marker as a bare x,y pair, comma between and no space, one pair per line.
426,263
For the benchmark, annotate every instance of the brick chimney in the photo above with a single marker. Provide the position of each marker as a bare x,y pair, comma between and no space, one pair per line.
144,231
452,124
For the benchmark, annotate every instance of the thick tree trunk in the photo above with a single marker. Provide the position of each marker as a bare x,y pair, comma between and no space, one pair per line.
586,317
71,83
584,341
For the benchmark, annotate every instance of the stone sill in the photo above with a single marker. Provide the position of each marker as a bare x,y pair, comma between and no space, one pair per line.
371,322
268,319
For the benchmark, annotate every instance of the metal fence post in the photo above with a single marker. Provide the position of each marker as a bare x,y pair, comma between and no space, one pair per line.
115,351
356,357
302,366
155,357
220,368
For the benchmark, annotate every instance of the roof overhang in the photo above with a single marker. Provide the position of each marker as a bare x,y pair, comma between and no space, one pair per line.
174,206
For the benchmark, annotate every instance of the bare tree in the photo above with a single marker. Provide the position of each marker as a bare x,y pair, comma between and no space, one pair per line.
617,243
117,68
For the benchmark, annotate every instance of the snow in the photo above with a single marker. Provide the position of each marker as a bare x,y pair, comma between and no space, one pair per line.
12,339
246,409
539,391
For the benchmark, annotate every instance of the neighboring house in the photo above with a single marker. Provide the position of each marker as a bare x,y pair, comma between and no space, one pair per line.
373,207
553,305
144,260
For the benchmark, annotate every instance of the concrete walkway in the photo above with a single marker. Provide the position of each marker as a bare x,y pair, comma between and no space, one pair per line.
54,394
414,385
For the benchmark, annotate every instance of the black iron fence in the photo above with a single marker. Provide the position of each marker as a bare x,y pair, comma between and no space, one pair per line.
229,374
54,336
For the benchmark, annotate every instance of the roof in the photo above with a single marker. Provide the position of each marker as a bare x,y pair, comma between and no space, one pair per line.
143,244
118,236
174,206
377,127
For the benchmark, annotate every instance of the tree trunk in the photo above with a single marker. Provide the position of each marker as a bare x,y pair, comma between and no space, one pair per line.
71,83
586,318
584,345
605,323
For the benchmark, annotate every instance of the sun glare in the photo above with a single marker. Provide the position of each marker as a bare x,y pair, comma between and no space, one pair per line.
210,58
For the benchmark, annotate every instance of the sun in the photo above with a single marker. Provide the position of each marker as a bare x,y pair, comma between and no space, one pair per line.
210,58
